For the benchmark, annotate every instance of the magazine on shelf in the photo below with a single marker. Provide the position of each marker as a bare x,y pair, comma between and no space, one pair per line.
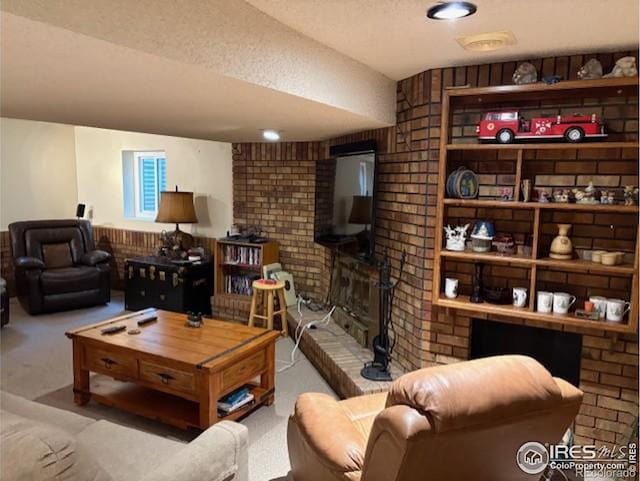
235,401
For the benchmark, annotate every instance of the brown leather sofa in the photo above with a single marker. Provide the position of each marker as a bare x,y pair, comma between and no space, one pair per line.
57,266
459,422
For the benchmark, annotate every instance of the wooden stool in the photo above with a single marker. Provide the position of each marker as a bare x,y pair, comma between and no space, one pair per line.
270,289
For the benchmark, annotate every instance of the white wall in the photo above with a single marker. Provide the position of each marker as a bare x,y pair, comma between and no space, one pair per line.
201,166
46,169
37,171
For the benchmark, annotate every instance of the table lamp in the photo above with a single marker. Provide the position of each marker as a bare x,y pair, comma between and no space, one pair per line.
177,208
361,214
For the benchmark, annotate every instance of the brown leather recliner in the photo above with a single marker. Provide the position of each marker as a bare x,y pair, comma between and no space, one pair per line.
57,266
459,422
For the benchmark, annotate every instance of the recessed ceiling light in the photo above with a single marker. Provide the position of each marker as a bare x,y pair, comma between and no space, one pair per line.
271,135
487,42
451,10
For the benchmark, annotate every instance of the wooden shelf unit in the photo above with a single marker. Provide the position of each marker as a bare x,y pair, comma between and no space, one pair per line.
268,253
544,146
514,93
515,204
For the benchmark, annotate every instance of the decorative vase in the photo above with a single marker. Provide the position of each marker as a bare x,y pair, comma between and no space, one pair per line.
561,246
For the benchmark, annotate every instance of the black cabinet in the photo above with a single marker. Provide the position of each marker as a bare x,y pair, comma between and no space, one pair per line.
159,282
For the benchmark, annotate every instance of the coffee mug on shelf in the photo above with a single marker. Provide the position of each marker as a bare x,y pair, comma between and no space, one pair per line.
616,309
451,288
600,305
519,296
545,301
562,302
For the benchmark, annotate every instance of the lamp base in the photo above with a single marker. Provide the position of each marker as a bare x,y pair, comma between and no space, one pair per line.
175,244
375,372
183,240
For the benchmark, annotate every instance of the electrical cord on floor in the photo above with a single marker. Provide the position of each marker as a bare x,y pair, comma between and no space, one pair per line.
300,330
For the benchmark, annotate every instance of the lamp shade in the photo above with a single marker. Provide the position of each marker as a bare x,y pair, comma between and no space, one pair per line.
360,210
176,208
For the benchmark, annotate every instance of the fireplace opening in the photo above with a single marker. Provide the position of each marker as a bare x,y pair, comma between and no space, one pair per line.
558,351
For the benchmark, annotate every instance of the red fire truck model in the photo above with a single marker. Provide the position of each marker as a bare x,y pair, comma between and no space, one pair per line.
507,126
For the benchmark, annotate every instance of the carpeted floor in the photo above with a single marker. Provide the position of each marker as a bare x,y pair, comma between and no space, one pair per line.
35,363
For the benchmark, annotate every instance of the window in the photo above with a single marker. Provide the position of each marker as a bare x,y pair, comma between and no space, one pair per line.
144,177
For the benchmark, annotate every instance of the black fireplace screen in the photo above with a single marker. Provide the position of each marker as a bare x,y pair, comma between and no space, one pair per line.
558,351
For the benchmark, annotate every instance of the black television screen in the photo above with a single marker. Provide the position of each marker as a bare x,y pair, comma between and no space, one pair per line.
345,186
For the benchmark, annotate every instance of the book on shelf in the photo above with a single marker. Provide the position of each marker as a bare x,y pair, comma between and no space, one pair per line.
234,401
239,283
241,255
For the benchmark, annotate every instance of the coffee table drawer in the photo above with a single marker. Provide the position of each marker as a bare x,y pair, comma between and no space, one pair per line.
168,377
245,370
110,363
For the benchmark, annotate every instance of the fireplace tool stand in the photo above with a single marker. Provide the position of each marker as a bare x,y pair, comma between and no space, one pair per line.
383,343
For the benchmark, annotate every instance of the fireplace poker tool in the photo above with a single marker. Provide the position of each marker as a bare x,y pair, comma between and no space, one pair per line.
383,343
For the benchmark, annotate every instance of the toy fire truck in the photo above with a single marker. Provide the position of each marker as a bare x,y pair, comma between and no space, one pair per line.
508,126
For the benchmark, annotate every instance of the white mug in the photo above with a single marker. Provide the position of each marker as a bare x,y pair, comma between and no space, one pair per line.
562,302
451,288
600,305
616,309
519,296
545,301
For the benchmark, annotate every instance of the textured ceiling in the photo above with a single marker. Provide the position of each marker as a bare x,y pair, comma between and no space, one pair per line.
395,38
209,69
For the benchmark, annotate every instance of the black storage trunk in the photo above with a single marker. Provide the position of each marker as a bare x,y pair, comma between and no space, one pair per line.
158,282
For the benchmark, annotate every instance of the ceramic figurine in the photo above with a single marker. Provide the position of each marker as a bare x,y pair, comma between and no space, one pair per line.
630,195
590,70
561,246
562,196
506,193
525,74
624,67
607,197
456,237
586,196
525,187
543,196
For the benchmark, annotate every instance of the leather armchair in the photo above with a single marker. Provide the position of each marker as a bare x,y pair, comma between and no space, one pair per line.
447,423
57,266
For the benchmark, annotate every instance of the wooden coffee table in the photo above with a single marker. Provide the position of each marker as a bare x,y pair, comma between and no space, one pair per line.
171,372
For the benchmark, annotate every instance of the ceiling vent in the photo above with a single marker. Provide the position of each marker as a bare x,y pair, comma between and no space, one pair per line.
487,42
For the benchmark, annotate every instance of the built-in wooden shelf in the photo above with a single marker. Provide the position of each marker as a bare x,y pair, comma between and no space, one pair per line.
545,146
484,96
253,267
509,204
581,265
488,98
487,257
572,265
463,303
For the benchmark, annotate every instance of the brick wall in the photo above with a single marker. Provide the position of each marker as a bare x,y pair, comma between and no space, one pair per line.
609,369
274,189
407,177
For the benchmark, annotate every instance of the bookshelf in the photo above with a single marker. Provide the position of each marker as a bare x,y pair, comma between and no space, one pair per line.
238,264
475,100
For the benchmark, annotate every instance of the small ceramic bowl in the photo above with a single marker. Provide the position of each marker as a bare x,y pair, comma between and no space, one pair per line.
609,259
596,256
619,257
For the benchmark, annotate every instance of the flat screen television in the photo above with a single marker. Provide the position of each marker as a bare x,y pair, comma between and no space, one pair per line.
345,199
